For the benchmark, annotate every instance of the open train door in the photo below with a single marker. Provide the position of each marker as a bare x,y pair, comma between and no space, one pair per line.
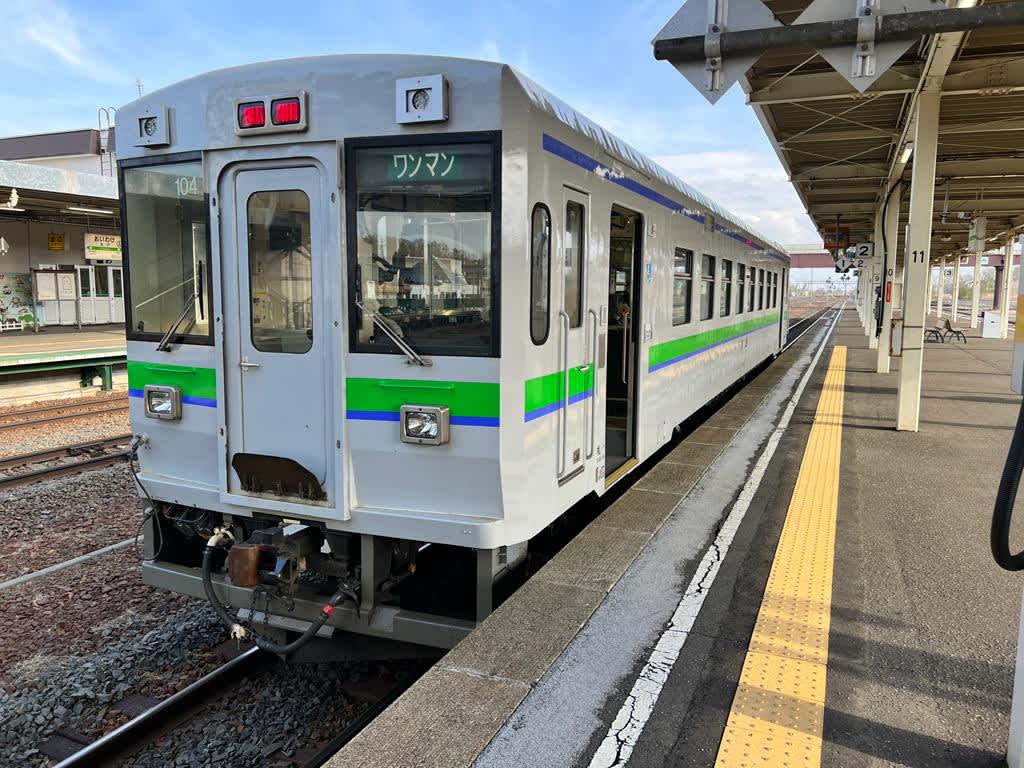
276,351
624,319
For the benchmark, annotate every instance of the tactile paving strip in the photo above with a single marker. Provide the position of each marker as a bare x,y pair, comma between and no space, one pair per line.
777,713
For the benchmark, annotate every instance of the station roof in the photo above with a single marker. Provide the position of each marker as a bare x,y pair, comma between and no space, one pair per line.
86,141
842,149
46,193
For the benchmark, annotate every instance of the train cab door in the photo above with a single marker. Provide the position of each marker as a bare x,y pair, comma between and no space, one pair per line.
576,366
624,263
276,360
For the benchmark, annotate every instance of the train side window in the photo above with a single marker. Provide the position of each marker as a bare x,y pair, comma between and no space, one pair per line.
682,286
775,290
575,219
540,274
751,288
707,287
725,297
760,289
741,284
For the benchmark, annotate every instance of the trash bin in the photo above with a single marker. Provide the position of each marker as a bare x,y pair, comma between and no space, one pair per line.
991,322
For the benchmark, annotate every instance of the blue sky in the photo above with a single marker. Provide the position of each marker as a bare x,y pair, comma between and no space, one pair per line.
64,59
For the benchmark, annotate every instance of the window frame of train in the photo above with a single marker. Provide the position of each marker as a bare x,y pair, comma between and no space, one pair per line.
775,290
751,287
760,289
725,288
741,284
540,208
682,278
410,144
189,183
707,287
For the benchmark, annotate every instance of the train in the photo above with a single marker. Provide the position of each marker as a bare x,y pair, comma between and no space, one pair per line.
389,317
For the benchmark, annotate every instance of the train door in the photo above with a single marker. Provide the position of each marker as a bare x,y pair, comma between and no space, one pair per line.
624,264
575,365
279,352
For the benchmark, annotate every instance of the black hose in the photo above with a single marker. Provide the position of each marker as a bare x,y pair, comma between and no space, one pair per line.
885,255
261,642
1003,512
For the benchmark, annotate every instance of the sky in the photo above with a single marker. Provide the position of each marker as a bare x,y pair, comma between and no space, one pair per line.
63,59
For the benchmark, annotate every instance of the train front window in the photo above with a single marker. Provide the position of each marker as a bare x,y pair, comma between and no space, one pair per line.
423,252
166,226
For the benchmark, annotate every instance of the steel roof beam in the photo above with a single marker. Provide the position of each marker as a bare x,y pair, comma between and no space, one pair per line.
821,34
825,86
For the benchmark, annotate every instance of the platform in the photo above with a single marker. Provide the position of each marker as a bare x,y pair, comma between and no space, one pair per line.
817,593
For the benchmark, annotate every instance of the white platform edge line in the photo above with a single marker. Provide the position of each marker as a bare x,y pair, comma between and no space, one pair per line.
66,564
625,730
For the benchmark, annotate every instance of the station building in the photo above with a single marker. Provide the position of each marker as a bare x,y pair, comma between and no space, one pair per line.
59,216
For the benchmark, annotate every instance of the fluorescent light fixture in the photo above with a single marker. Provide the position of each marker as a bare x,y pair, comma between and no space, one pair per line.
15,210
907,152
83,209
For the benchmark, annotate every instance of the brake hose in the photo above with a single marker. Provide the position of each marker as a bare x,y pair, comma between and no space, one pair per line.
238,631
1005,498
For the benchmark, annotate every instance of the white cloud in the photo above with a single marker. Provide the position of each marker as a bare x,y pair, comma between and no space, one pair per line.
44,33
751,185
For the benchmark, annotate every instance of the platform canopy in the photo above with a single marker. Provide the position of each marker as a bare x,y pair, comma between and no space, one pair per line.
842,147
52,194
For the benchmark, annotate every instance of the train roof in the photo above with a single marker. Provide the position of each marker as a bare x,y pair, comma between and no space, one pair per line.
370,65
554,106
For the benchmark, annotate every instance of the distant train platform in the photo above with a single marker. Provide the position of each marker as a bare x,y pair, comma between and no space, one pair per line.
59,361
56,345
794,582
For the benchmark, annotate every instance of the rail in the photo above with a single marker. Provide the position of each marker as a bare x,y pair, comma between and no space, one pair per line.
70,467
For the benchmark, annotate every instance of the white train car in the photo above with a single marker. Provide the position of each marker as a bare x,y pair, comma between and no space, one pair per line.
390,316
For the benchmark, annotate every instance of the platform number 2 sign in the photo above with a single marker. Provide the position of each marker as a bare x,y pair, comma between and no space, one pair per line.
863,251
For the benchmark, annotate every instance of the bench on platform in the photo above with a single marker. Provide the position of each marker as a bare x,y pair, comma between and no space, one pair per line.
952,330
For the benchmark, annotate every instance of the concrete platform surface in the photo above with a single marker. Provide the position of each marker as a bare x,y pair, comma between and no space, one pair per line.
921,623
59,343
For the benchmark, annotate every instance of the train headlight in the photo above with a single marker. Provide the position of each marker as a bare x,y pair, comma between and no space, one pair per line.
424,424
162,402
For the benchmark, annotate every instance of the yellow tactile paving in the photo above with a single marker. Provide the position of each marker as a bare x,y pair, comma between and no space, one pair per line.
776,717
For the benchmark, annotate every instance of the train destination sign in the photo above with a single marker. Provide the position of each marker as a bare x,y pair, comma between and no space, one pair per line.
425,166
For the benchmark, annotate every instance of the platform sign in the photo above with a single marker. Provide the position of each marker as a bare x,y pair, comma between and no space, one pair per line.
105,247
55,241
716,74
837,238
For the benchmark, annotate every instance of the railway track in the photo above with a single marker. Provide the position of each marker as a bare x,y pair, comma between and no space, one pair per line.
97,453
48,414
189,703
799,327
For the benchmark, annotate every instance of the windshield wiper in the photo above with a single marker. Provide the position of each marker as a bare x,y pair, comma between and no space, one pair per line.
398,341
189,308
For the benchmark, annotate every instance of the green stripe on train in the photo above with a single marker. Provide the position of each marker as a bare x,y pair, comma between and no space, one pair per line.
192,381
463,398
688,345
548,390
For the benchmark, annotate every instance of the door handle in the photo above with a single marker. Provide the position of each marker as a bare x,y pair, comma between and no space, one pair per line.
563,412
245,364
625,348
593,387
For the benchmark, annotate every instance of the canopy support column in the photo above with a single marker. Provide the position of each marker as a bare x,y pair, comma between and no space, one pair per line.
916,259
